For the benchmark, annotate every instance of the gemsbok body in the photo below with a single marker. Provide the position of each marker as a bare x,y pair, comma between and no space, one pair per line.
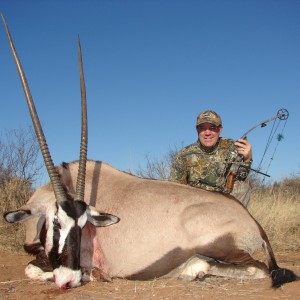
95,222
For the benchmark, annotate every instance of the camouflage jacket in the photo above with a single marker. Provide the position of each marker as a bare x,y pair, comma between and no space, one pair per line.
197,167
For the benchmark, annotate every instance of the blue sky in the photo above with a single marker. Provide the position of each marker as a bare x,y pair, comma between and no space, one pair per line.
150,68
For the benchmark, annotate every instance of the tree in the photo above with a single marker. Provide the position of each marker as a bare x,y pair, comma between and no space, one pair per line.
19,152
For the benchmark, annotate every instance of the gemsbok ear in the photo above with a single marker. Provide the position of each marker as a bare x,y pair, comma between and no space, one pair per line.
17,215
99,219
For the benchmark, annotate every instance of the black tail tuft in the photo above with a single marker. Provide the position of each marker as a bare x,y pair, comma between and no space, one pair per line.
281,276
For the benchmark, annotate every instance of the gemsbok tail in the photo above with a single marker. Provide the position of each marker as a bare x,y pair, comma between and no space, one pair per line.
278,275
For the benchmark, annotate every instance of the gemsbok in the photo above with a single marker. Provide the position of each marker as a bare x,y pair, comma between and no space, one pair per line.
149,228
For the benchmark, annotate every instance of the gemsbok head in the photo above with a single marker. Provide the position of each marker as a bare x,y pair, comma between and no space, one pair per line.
69,214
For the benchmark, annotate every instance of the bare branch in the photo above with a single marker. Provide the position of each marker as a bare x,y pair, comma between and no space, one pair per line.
157,168
19,153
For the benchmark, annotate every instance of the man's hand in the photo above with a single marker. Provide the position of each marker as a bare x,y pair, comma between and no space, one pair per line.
244,148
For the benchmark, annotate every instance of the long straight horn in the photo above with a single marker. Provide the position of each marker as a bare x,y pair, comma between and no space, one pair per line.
57,186
80,185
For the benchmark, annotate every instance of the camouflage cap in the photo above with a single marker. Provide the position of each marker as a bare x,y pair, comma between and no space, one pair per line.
209,116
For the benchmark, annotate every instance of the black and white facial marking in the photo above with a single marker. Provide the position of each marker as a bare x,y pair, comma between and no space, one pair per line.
63,242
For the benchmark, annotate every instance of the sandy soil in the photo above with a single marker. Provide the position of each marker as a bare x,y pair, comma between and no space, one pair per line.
15,285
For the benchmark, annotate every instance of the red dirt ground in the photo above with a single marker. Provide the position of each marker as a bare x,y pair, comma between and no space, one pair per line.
15,285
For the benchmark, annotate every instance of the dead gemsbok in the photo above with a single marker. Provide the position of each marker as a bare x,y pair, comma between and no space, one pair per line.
163,229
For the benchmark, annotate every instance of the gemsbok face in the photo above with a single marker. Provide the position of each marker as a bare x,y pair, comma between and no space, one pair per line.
65,218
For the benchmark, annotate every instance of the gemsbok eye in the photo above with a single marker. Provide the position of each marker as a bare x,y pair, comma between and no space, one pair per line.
56,224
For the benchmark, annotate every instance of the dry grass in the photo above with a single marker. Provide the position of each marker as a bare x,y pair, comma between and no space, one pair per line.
277,209
13,194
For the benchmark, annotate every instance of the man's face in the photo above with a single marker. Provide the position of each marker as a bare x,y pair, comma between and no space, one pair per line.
208,134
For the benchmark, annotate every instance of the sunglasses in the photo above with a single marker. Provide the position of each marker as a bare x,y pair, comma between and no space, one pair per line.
208,127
